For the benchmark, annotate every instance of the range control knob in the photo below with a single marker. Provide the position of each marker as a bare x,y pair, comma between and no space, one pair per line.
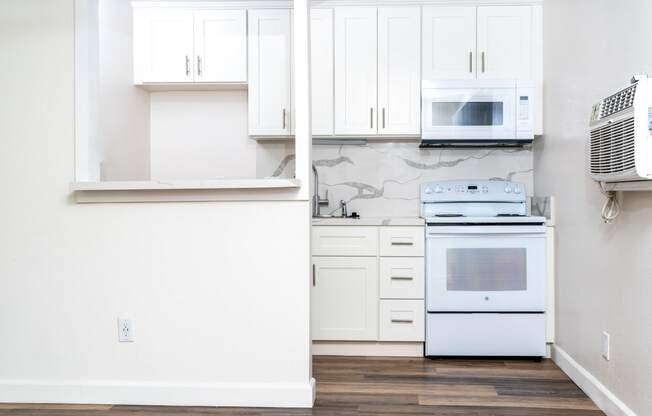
439,189
427,190
517,190
508,189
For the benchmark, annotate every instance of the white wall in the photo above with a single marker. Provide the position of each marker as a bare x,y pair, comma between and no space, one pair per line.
212,326
201,135
593,47
124,109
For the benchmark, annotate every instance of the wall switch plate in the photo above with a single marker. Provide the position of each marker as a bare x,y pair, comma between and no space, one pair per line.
125,330
606,347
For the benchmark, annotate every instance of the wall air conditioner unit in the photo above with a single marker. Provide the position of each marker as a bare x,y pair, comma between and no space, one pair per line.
620,148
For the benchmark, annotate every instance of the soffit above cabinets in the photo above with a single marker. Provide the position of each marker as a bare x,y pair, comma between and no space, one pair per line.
284,4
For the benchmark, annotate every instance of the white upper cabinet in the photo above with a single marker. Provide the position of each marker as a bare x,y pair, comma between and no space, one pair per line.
449,42
355,70
399,79
269,72
163,45
220,45
321,49
505,42
172,46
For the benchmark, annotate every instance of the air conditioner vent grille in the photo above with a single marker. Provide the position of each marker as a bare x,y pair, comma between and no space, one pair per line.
618,102
612,148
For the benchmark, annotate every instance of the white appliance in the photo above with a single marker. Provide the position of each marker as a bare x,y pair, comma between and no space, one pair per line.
476,112
621,134
485,270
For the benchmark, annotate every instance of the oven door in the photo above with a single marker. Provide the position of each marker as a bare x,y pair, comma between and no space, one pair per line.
486,268
459,114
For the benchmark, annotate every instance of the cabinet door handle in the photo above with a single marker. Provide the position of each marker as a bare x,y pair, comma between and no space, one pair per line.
402,243
383,118
199,65
187,65
402,278
371,117
471,61
402,321
284,119
314,277
483,65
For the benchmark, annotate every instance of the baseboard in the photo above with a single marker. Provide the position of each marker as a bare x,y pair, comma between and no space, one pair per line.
163,394
603,397
368,348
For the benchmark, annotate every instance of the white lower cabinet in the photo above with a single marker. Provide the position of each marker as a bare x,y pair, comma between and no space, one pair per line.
401,277
401,320
345,298
366,289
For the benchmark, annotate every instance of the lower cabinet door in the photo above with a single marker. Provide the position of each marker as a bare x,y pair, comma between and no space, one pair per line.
402,320
345,299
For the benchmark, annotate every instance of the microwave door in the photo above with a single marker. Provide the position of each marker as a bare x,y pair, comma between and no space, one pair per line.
464,114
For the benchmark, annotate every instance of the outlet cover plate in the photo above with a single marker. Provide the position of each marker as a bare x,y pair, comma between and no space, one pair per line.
125,330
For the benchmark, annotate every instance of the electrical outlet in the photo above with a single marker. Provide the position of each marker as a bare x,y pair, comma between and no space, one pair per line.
125,330
606,347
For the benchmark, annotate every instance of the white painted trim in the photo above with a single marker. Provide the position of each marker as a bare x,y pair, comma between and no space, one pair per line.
368,349
385,3
603,397
182,184
87,163
301,96
284,4
157,393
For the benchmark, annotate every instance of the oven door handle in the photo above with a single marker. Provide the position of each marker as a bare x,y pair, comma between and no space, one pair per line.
520,230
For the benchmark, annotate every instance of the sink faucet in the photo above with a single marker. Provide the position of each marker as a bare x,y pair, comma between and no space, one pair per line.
317,201
343,208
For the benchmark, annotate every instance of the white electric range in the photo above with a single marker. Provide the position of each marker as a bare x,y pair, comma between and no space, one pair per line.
485,270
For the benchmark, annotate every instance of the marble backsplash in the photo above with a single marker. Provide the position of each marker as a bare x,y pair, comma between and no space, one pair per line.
383,178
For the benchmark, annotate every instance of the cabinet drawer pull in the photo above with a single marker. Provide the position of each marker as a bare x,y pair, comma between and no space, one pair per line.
199,65
371,116
314,275
402,321
402,278
383,118
483,66
187,65
284,119
402,243
471,61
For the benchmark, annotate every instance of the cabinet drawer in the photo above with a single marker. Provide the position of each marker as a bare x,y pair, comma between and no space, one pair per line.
402,320
344,241
402,241
402,277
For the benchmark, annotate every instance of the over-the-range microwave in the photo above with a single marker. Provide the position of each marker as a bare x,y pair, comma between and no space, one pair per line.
476,113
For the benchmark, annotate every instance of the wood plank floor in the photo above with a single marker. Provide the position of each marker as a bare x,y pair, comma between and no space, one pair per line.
353,386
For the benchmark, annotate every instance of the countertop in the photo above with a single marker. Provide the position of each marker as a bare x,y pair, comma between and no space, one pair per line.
370,221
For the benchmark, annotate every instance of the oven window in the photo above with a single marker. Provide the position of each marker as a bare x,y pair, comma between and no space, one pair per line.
486,269
472,113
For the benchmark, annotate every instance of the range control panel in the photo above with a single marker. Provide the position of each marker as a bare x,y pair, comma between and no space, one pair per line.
473,191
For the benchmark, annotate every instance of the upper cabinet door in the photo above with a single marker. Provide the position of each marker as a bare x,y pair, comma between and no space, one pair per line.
221,46
269,72
163,45
449,36
355,70
399,75
321,51
505,42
